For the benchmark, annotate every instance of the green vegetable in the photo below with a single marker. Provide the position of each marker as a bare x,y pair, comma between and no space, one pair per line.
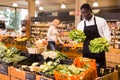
98,45
69,69
10,55
77,35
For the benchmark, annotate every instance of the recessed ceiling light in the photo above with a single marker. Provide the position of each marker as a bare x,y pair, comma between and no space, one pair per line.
41,8
37,2
15,5
63,6
95,4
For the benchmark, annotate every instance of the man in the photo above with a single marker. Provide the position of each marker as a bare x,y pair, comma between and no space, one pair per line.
93,27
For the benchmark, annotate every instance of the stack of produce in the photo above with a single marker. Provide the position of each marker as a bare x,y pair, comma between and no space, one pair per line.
82,69
79,69
54,55
46,68
36,47
10,55
77,35
21,39
98,45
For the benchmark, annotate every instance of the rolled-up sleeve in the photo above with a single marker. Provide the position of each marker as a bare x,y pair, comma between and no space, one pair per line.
104,30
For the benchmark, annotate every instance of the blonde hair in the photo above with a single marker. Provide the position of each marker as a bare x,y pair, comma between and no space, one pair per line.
56,22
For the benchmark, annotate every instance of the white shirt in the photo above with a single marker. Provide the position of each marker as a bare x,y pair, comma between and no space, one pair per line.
102,26
52,34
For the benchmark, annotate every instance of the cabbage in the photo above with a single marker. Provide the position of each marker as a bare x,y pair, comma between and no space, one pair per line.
98,45
77,35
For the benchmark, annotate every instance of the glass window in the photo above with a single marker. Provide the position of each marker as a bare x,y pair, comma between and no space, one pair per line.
12,17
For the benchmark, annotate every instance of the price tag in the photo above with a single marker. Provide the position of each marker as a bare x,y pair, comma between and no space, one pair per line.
4,69
30,76
42,78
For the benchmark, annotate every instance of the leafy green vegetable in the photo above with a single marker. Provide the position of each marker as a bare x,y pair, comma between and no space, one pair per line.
69,69
77,35
3,50
98,45
10,55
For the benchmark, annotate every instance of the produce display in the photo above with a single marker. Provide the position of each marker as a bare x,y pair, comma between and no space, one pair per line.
21,39
46,67
53,55
54,65
58,71
77,35
98,45
41,43
75,71
38,46
10,55
69,69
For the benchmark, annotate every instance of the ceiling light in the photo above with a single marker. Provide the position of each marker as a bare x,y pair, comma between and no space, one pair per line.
96,11
15,5
41,8
37,2
95,4
63,6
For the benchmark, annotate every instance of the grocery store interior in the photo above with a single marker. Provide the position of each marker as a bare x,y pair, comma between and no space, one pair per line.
24,54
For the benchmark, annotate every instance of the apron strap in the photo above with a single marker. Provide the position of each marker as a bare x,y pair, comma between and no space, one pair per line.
94,22
84,23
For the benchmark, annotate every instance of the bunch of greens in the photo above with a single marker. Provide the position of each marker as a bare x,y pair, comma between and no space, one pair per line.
69,69
55,55
98,45
3,49
77,35
10,55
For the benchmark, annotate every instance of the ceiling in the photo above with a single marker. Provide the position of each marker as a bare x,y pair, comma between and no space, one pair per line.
54,5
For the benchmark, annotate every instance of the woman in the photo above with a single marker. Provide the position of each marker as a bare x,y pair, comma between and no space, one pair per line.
53,35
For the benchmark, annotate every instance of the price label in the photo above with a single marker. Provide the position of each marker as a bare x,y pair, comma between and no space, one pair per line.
30,76
42,78
4,69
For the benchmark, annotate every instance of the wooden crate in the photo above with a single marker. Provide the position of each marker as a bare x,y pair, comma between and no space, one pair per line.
19,74
4,77
118,68
113,57
111,76
14,78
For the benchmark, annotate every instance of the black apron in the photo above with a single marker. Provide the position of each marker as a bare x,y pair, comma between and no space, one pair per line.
91,32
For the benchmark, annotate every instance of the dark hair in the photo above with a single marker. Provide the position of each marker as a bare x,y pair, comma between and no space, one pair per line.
86,6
